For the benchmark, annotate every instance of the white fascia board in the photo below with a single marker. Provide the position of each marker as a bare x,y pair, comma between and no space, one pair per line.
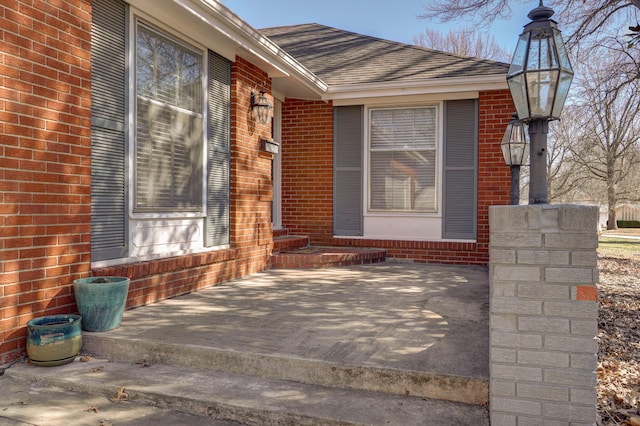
406,99
419,87
215,26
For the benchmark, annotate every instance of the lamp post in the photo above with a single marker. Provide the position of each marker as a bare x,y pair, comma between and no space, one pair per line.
539,79
515,149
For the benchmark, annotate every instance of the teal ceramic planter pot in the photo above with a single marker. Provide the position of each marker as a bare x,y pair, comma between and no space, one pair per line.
101,301
53,339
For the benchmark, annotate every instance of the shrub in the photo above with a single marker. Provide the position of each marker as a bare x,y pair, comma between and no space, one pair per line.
628,223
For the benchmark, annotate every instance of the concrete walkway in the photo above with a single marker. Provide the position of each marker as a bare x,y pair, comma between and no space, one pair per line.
389,317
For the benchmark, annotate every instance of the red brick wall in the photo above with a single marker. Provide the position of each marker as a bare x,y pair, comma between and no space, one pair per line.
307,181
45,156
251,181
45,150
307,169
494,177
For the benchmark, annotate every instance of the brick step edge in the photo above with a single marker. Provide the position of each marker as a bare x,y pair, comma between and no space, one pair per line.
289,242
324,257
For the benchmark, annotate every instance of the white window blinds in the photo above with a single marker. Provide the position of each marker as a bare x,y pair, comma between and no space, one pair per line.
169,124
403,145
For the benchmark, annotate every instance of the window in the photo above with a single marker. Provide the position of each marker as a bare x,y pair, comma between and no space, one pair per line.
148,155
403,160
169,137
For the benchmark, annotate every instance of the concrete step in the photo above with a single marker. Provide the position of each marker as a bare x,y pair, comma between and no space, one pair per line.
247,399
467,390
28,401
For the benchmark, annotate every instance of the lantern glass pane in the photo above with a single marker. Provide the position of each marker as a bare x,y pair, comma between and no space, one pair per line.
525,154
563,90
541,52
506,153
563,56
519,95
519,145
515,154
541,86
519,56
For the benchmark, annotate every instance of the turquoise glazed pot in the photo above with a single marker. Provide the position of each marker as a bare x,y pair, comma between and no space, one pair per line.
101,301
53,339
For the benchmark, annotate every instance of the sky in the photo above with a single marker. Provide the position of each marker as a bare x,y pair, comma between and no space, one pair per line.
395,20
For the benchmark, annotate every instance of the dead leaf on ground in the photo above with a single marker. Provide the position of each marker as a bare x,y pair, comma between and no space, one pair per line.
96,369
92,409
105,423
120,396
618,338
86,358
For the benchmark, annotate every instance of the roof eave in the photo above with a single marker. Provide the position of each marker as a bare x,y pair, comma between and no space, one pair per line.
417,87
255,46
237,37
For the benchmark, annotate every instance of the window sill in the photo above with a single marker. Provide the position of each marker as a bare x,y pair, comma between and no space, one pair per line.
171,215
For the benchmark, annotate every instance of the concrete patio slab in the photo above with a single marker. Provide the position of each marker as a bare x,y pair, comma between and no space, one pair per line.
420,317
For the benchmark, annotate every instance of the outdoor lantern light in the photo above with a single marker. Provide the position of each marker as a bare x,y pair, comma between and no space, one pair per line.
539,79
515,149
261,108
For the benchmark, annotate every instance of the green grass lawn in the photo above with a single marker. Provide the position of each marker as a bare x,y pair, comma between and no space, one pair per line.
611,246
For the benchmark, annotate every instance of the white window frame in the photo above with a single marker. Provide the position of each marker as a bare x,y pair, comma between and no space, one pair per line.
136,18
439,159
276,164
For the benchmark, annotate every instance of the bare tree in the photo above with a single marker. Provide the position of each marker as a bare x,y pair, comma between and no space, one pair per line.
608,142
565,176
465,42
585,18
586,24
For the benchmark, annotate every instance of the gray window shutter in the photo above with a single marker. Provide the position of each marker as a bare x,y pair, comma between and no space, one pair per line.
347,176
218,134
108,130
460,169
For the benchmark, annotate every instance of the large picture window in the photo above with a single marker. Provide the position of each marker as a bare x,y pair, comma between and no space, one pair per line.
169,124
403,159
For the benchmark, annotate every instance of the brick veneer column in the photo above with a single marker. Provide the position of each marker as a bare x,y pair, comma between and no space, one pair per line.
543,270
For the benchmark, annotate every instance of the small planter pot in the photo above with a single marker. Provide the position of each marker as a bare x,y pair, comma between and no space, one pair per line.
101,301
54,339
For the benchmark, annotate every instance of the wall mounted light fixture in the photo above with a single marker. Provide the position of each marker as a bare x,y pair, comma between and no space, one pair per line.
261,108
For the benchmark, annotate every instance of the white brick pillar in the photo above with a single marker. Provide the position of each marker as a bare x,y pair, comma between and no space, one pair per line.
544,314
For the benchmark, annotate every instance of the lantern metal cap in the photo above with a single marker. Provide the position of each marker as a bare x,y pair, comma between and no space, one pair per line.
540,13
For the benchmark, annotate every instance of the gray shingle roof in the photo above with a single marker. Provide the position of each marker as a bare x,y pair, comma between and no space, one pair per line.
343,57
